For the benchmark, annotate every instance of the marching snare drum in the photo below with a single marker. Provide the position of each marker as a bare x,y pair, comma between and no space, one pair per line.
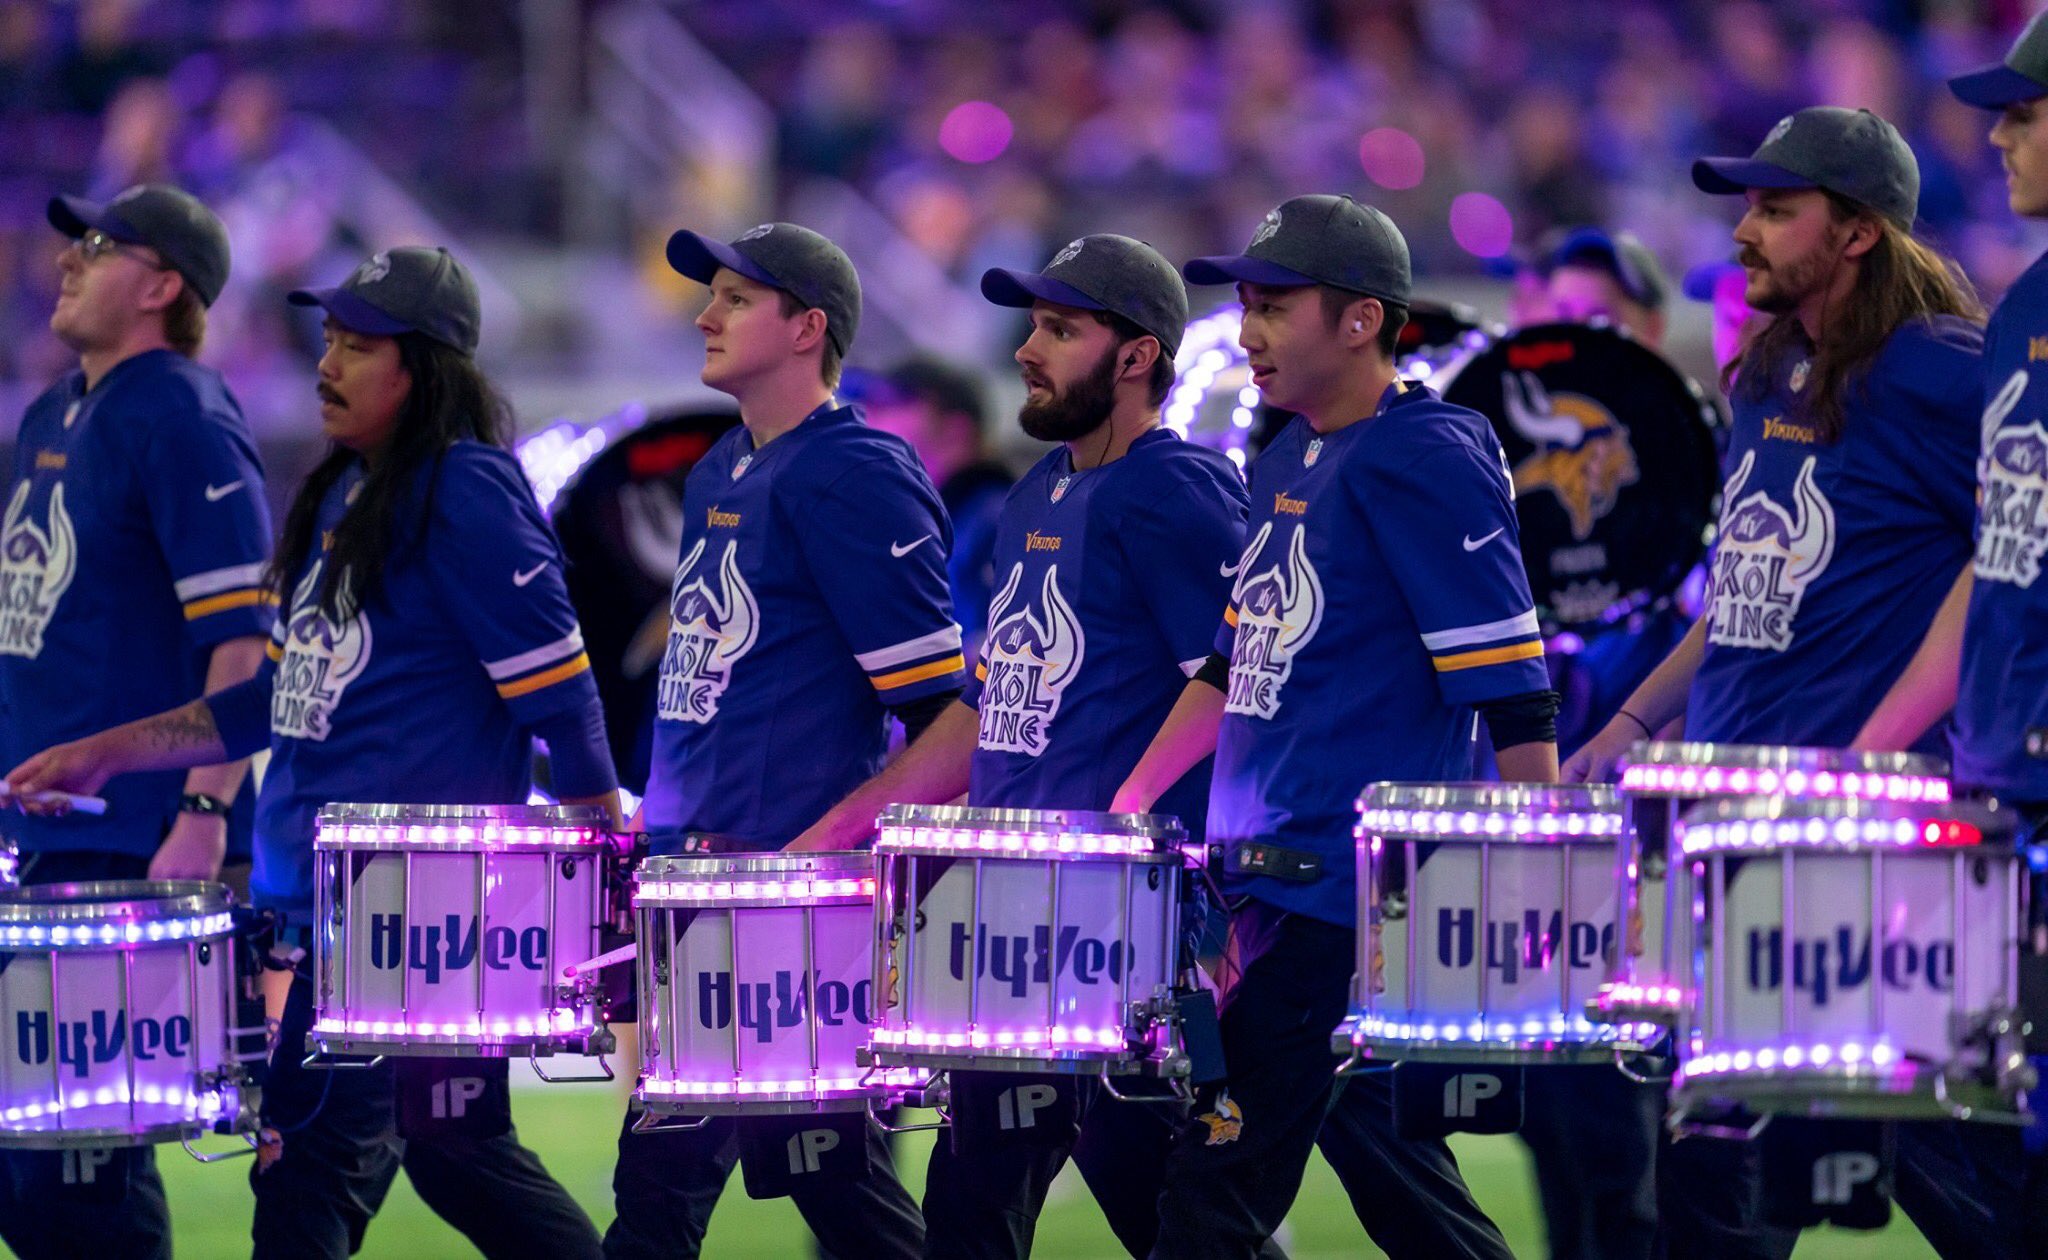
1027,940
443,929
1659,781
1858,958
117,998
756,983
1490,918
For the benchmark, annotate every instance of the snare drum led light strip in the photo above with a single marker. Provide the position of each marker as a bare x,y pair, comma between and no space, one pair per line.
1020,842
1805,784
863,1081
1470,824
1852,1055
206,1105
668,891
458,833
1556,1028
549,1023
1781,833
85,934
1058,1037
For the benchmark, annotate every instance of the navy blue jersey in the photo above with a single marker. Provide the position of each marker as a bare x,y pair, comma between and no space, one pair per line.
811,595
426,693
1832,557
134,539
2004,688
1380,596
1111,581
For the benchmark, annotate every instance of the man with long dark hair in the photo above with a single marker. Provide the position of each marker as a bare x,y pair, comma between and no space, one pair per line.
131,579
809,607
1845,520
427,638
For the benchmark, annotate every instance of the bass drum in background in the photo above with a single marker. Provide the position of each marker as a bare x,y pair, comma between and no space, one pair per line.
1437,331
1612,451
621,526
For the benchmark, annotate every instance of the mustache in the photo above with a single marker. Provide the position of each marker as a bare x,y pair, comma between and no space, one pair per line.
1750,258
327,395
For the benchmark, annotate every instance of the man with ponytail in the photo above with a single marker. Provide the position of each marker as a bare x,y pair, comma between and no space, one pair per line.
1845,522
426,639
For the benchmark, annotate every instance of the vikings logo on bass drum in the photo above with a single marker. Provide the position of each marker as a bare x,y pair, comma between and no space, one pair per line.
709,631
321,658
1582,455
1766,559
1278,612
2012,521
35,569
1030,662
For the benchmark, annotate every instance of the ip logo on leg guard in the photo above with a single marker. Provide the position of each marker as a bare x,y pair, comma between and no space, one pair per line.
779,1153
1435,1099
1008,1110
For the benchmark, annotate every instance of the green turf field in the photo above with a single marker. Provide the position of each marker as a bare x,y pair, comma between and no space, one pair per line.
574,1127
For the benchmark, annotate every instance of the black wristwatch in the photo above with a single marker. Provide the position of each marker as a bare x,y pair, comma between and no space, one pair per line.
201,803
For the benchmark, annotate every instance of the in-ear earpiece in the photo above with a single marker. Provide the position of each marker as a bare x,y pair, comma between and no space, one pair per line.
1357,325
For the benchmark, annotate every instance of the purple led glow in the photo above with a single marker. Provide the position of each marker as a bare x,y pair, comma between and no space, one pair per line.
1670,780
1470,824
1778,833
99,936
487,835
541,1023
10,867
975,131
950,840
981,1039
1638,997
1553,1030
1834,1057
1391,157
706,892
1481,225
879,1081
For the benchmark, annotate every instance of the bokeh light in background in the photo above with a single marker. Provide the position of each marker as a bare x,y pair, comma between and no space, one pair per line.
1391,157
1481,225
975,131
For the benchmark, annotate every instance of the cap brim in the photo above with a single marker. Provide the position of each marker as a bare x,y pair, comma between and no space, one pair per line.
75,216
1238,268
350,311
1021,288
699,258
1737,175
1995,87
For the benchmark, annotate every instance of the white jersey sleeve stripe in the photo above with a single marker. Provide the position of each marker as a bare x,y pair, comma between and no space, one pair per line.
512,666
1515,627
1191,667
933,644
214,581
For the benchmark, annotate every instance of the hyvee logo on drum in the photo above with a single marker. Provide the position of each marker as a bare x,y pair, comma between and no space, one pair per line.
763,1015
83,1043
1515,945
1020,961
1834,962
451,945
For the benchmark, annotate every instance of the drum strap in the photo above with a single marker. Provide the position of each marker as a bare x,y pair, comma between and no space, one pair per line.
1255,857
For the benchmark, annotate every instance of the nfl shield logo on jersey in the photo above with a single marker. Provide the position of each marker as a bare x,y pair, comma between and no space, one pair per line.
1800,371
1313,453
741,465
1059,490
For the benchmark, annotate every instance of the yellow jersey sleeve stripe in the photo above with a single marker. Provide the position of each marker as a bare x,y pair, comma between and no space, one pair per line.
1488,656
981,670
546,678
1230,617
222,603
272,649
918,673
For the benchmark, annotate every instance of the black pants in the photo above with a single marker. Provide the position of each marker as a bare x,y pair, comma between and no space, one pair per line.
1593,1133
105,1202
665,1185
342,1149
1237,1165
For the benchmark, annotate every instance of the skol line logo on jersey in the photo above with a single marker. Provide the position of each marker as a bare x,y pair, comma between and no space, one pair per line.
1531,942
1766,558
1031,660
1582,457
1828,965
434,949
322,657
2012,526
36,567
1022,962
100,1037
709,631
1279,611
765,1007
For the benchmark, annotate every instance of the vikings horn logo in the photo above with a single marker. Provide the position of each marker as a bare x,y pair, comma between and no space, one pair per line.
1582,455
709,631
322,657
1278,612
2012,474
1030,662
1765,560
35,570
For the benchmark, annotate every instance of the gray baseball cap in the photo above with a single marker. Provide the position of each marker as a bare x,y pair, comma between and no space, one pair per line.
2022,76
1103,273
409,289
1850,152
782,256
1621,255
168,220
1318,239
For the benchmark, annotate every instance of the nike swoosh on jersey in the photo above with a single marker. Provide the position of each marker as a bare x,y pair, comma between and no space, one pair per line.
215,494
900,552
1472,544
521,579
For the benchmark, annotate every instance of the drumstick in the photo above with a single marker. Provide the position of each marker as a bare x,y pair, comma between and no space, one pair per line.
81,804
572,970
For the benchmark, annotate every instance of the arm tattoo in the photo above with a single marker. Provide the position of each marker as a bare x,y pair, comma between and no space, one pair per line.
189,727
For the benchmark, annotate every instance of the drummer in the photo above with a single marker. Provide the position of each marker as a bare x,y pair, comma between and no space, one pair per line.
810,606
1844,522
1112,558
427,639
131,566
1318,682
1598,277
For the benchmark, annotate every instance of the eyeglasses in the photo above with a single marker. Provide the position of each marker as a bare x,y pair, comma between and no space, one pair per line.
96,244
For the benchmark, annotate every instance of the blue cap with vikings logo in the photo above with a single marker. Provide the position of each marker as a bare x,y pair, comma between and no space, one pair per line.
1103,272
1318,239
2022,76
409,289
1850,152
168,220
783,256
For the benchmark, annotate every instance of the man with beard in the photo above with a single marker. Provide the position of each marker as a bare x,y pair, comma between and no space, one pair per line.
131,580
1380,609
1119,542
1844,523
810,606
